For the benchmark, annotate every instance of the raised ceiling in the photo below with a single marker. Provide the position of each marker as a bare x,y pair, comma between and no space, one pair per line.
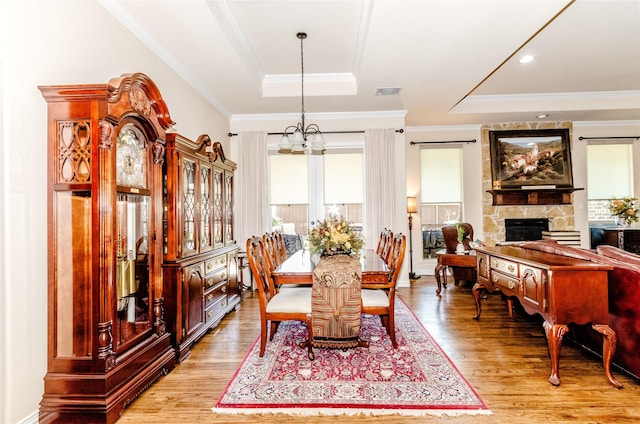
456,62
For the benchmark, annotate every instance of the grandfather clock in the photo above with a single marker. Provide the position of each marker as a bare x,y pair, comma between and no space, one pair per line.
107,334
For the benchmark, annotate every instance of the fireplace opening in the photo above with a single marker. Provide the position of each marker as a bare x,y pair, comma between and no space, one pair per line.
523,229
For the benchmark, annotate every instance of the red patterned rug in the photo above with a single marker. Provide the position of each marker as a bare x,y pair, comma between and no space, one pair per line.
416,379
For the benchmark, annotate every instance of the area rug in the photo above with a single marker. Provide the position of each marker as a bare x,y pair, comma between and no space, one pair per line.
417,378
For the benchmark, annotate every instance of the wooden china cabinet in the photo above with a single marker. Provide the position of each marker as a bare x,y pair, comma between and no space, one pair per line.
107,337
200,254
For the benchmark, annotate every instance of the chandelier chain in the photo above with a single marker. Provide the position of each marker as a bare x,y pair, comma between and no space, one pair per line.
302,36
304,137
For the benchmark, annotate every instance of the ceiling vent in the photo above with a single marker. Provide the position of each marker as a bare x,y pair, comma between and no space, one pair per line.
388,91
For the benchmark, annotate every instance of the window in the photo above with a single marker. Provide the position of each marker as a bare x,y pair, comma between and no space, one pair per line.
609,174
344,185
289,192
441,194
304,188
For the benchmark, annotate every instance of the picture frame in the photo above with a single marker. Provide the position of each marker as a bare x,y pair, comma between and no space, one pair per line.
530,159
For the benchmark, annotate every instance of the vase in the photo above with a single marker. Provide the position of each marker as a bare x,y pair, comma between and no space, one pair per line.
621,222
460,249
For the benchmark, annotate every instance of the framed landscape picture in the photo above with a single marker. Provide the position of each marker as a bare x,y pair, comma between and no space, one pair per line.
531,158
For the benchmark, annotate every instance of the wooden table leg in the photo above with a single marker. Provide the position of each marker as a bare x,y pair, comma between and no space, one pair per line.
609,344
510,308
555,333
477,288
439,269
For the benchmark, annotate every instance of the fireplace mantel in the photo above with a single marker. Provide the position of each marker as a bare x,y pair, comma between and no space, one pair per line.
518,196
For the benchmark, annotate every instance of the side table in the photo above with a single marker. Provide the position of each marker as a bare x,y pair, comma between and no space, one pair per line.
243,264
466,261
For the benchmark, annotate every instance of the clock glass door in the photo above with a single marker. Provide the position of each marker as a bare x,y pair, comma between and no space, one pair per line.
132,268
133,226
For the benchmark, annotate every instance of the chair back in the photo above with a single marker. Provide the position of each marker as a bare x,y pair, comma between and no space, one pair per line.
387,247
269,245
450,235
259,264
381,241
280,246
397,256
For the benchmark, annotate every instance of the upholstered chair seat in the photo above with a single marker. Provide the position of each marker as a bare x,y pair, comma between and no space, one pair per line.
291,301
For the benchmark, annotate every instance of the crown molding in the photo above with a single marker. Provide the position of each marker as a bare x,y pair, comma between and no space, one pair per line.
601,124
328,84
550,102
444,128
321,116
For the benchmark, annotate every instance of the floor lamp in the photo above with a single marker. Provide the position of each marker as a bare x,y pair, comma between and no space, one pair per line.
412,208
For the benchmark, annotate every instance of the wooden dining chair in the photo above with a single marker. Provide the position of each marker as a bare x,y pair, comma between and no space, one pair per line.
281,247
381,241
387,247
269,243
381,301
336,305
287,305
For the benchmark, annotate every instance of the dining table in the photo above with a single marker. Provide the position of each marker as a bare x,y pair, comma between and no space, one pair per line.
298,269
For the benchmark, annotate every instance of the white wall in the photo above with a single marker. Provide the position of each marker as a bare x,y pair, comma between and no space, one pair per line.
47,43
471,180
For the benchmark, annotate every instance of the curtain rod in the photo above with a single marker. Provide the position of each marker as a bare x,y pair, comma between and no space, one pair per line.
322,132
442,142
609,138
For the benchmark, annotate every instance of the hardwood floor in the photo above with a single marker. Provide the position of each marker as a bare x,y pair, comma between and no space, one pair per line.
505,361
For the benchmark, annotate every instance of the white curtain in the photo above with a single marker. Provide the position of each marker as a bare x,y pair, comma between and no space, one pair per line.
252,216
380,179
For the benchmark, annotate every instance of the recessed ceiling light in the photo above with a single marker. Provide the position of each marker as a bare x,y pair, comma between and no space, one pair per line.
542,115
526,59
388,91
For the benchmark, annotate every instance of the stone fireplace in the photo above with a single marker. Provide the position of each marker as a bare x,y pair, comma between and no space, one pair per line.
560,217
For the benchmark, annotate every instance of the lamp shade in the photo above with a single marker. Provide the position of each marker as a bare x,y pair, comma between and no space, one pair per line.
297,145
317,144
285,144
412,206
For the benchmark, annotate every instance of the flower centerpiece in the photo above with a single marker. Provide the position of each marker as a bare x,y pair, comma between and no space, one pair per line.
334,236
624,210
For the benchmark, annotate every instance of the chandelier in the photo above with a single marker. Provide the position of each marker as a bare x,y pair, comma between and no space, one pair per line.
302,137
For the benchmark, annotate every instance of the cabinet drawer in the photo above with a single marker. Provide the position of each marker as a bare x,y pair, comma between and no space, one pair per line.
214,278
505,266
506,283
216,310
213,264
214,294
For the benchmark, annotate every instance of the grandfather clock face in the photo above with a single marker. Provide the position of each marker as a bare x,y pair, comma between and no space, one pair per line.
131,158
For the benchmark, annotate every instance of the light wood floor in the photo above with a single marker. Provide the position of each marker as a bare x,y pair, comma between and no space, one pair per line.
505,361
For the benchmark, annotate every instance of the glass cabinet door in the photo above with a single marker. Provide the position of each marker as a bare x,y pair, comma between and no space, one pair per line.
218,208
204,228
188,206
228,208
